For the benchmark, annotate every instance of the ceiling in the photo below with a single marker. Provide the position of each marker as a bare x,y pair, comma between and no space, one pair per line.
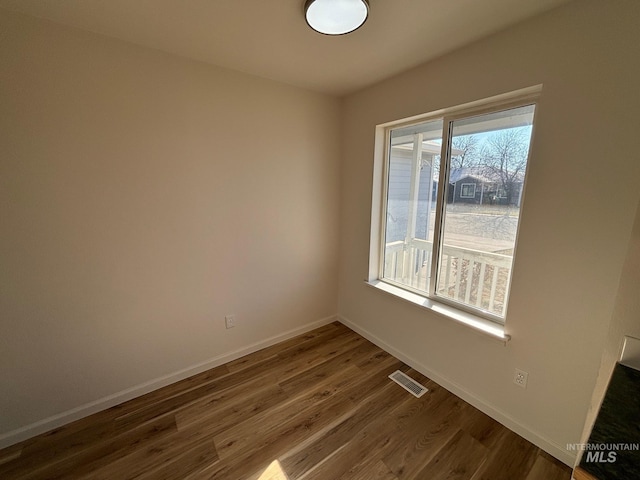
269,38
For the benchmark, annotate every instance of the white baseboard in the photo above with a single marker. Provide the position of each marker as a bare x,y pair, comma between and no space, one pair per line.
540,441
55,421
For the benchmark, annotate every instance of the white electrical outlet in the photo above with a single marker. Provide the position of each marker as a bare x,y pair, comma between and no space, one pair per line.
520,378
230,321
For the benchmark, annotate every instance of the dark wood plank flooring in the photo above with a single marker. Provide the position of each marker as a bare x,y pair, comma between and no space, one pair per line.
318,406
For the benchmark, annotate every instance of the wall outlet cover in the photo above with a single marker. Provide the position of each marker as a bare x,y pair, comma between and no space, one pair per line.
520,378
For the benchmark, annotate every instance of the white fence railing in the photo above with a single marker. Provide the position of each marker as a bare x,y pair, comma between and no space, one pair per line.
473,277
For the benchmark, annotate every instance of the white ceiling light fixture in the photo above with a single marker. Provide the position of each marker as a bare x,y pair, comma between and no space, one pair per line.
336,17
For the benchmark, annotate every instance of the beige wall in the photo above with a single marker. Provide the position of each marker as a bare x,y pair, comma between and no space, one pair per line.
142,198
576,222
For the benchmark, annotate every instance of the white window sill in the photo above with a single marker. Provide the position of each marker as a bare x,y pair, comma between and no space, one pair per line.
475,322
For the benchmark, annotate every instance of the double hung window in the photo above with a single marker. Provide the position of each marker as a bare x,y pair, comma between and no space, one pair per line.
451,200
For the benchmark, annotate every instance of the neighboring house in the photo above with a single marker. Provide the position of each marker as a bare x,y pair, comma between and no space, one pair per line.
477,185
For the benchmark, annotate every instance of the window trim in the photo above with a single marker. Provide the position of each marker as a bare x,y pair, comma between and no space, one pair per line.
444,306
479,324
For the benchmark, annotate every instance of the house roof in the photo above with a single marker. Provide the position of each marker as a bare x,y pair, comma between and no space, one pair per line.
270,38
481,174
428,148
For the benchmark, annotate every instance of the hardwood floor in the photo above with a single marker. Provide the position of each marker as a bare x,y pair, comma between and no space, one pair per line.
319,406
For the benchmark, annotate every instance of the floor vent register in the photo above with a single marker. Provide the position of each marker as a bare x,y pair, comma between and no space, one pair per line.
408,383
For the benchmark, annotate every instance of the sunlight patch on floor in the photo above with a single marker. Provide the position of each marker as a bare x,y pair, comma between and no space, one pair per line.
274,472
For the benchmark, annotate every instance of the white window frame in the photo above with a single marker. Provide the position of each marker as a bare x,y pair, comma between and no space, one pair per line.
462,185
482,321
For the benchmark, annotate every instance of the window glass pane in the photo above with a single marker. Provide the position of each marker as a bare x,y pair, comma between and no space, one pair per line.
486,177
413,168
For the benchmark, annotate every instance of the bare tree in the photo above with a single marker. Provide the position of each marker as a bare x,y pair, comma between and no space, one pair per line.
504,158
468,145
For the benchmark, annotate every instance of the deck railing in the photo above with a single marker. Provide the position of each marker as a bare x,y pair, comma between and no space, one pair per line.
472,277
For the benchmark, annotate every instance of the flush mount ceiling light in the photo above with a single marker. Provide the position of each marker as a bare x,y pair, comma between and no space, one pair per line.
336,17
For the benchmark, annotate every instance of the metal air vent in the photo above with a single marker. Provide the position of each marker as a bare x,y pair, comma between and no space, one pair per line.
408,383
